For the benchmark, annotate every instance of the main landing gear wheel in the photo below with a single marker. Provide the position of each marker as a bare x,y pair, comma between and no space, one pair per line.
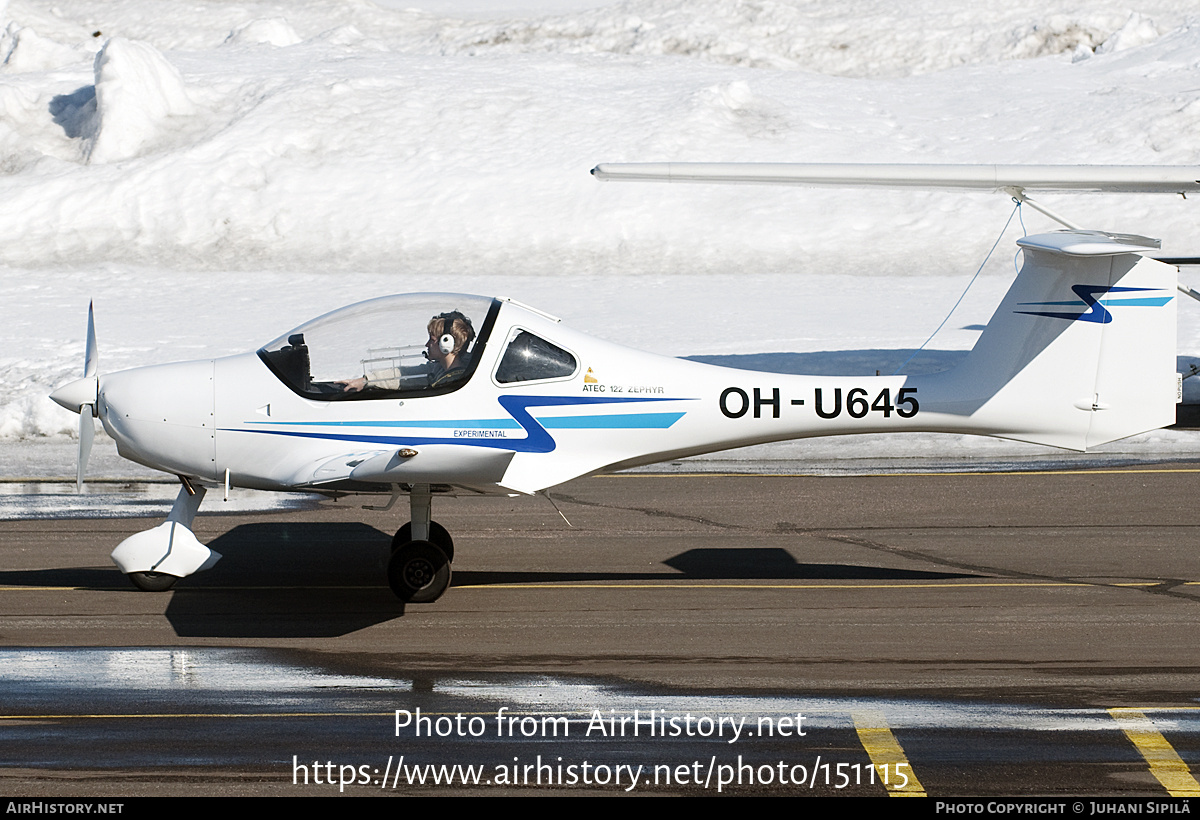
437,534
419,572
153,581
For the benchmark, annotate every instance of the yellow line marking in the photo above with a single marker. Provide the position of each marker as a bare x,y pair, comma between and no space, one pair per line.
683,584
199,715
885,752
44,589
579,716
1165,762
123,588
168,715
900,475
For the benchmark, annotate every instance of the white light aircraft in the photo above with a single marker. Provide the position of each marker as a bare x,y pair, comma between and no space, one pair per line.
439,393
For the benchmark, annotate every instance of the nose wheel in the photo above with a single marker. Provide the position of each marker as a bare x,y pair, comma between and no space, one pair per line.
418,572
153,581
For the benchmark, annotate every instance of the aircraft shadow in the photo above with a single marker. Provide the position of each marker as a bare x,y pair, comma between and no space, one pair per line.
297,580
289,579
719,564
95,578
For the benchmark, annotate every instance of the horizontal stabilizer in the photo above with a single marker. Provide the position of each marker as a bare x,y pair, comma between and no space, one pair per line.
1169,179
1090,243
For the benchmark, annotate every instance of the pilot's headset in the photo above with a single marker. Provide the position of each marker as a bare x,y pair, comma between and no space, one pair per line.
447,341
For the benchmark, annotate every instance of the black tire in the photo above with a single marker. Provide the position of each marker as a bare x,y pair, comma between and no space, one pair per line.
437,534
419,572
153,581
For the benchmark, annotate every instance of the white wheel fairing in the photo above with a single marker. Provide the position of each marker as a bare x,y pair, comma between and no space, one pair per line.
169,548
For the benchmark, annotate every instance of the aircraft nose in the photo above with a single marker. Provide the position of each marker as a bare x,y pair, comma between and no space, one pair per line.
162,416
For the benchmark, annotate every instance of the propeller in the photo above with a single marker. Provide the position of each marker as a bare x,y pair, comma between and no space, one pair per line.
80,396
90,360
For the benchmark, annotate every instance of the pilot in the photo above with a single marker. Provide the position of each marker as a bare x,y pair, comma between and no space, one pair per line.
450,334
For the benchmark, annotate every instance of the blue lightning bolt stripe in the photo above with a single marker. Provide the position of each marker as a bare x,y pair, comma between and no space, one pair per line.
628,421
1095,306
1148,301
537,440
625,421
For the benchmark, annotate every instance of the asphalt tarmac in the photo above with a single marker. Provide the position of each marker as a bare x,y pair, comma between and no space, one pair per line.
970,634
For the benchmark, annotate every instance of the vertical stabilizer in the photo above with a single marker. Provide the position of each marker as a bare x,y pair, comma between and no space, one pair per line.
1081,350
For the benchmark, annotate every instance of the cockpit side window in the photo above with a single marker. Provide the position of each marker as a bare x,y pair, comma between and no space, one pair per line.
531,358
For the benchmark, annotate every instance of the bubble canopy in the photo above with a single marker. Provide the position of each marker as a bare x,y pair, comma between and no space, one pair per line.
376,349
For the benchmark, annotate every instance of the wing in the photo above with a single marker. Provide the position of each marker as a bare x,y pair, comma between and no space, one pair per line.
1173,179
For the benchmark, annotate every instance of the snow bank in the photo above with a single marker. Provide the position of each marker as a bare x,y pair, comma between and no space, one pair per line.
334,154
137,92
852,38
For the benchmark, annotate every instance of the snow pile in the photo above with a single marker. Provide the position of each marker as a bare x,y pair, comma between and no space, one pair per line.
23,49
275,31
136,94
1137,31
